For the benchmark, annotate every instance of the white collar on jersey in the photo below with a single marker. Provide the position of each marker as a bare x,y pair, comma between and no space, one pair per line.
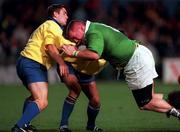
87,25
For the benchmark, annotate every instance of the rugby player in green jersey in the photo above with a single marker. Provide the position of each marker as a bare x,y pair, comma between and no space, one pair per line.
103,41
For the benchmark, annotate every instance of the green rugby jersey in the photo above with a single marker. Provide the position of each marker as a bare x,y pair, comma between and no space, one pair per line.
109,43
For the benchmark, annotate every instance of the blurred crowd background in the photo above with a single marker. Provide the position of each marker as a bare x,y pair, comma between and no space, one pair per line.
156,23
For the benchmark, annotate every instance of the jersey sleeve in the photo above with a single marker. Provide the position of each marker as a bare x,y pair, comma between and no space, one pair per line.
90,67
95,42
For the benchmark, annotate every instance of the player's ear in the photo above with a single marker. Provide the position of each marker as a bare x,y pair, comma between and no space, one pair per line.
55,14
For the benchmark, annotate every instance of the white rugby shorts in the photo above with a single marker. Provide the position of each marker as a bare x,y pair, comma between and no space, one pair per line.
140,70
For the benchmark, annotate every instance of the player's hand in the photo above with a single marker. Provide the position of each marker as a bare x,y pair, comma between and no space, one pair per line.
63,69
69,49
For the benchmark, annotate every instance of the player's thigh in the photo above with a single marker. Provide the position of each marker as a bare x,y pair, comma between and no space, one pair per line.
143,96
71,81
30,71
88,85
39,90
73,85
90,90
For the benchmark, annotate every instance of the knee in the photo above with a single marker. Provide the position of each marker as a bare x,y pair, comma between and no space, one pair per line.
74,87
95,102
71,80
42,103
73,92
147,106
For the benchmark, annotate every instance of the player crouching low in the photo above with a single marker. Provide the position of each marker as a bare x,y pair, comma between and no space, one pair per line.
104,41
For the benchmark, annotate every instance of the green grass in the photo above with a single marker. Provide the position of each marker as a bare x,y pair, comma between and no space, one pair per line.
119,112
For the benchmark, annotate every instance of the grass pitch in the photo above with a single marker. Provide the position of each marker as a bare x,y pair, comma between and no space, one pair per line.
119,112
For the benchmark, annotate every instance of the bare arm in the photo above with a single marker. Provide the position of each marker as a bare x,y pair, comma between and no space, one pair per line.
54,53
87,54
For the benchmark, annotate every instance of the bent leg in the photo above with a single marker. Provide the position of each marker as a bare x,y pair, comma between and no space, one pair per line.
146,101
74,90
90,90
39,91
157,103
39,94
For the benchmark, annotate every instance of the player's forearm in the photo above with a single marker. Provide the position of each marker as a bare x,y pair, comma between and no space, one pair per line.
54,53
56,57
87,54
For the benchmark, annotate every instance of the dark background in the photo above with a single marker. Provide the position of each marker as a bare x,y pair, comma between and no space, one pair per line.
156,23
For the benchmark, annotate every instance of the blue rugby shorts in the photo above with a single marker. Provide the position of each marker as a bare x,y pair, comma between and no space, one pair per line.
30,71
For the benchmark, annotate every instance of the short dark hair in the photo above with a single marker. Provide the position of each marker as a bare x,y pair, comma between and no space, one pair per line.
55,7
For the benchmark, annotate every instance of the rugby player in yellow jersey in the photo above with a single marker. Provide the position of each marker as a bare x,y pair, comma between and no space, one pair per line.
34,61
37,57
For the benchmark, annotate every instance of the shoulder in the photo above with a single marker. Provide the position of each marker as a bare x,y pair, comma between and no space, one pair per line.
93,34
52,26
50,23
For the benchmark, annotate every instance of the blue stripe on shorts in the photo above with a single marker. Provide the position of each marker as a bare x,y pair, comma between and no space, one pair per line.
30,71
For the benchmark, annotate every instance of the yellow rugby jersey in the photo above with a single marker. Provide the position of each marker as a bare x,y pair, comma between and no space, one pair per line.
47,33
90,67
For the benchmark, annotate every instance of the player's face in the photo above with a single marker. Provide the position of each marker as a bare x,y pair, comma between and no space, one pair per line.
61,16
76,35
